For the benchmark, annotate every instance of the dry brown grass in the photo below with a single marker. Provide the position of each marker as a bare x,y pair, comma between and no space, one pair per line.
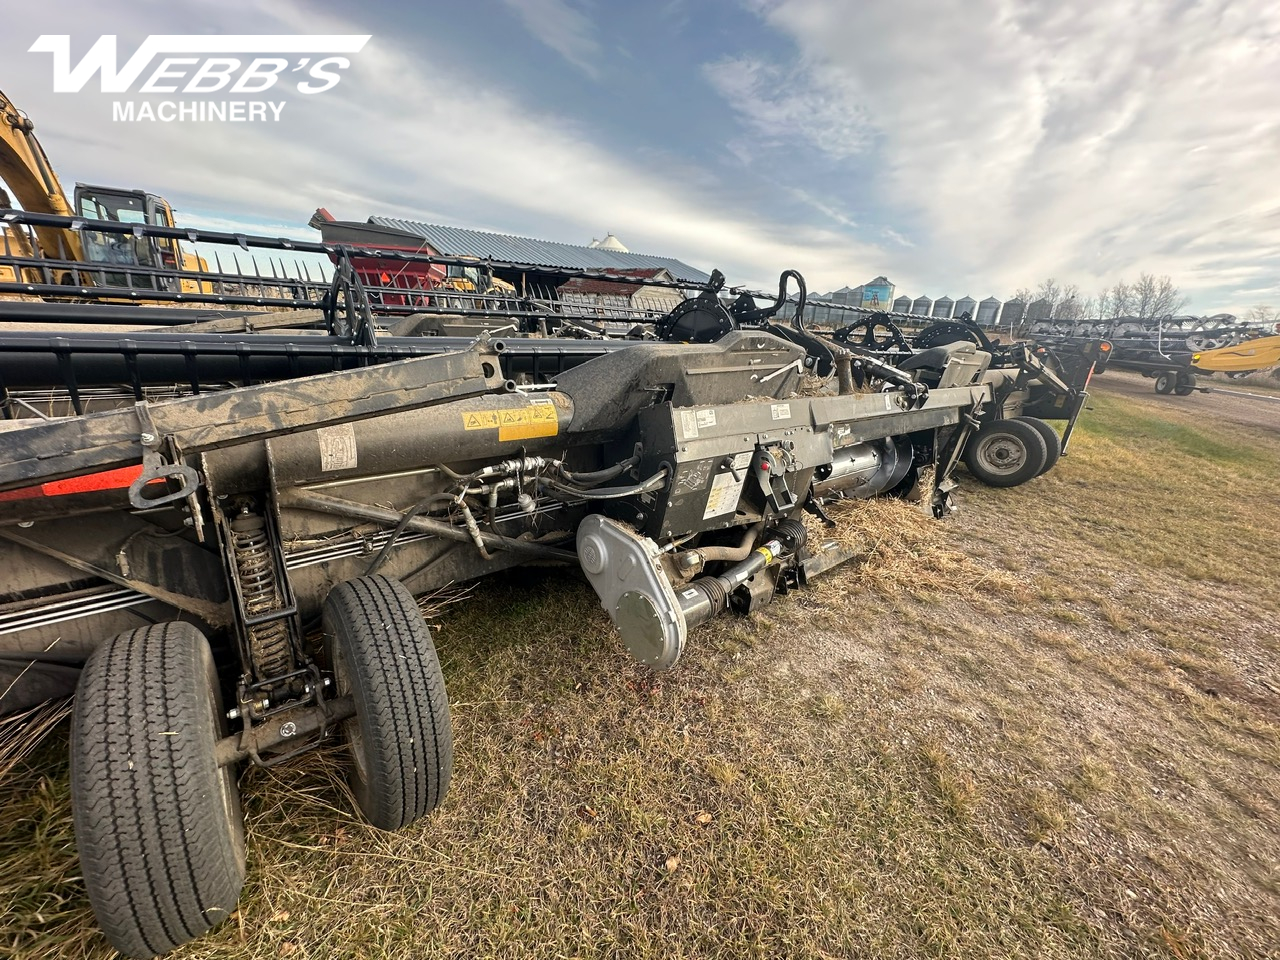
1036,730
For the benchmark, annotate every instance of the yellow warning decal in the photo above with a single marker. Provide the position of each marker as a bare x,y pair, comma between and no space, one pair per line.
516,423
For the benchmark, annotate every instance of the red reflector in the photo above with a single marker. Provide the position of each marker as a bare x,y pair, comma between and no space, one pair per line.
107,480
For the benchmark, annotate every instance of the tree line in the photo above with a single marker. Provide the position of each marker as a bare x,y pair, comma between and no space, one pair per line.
1146,298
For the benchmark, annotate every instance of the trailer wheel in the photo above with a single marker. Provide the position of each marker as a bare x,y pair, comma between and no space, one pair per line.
400,738
1052,442
1166,381
1185,385
157,821
1005,453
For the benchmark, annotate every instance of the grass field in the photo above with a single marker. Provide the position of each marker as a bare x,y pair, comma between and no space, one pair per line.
1048,727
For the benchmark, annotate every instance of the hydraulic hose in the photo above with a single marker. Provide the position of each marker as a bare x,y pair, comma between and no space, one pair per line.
599,476
732,554
409,514
655,482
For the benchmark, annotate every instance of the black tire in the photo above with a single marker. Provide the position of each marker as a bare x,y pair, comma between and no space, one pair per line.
1052,442
400,738
1005,453
1186,385
158,823
1166,381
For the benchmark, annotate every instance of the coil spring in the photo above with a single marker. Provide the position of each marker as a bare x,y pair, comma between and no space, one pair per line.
260,590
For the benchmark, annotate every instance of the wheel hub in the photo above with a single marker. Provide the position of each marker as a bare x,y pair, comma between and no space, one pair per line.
1002,454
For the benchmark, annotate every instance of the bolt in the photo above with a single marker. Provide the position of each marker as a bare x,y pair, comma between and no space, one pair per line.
233,713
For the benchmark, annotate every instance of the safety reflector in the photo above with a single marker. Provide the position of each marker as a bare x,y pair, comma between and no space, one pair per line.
107,480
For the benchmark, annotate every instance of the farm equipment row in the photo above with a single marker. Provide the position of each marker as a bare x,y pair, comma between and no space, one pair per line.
216,537
1171,350
1031,383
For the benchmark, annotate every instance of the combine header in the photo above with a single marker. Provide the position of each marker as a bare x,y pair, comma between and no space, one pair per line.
216,537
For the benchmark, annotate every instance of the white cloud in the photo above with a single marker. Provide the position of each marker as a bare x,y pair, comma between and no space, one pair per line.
783,107
1036,138
393,139
562,27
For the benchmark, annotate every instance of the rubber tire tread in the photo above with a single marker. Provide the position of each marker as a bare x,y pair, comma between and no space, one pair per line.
162,860
1052,441
1165,383
401,705
1026,434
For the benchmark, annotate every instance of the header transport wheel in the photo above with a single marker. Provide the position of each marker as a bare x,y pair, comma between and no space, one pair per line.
158,822
400,739
1165,381
1052,441
1005,453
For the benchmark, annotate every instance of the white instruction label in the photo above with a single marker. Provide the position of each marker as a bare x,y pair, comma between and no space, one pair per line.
706,418
726,490
781,411
337,447
689,424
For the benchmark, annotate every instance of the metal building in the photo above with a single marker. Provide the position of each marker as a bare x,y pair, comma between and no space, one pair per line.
877,294
921,306
965,304
988,312
942,308
433,238
1014,312
1041,309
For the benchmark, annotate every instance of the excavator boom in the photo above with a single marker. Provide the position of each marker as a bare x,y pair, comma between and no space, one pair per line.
26,170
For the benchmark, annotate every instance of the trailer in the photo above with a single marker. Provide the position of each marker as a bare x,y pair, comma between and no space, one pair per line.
216,538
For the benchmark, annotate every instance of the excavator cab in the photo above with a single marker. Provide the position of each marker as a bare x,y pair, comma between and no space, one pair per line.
154,253
32,185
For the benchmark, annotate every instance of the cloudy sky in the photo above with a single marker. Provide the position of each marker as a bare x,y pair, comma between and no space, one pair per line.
963,147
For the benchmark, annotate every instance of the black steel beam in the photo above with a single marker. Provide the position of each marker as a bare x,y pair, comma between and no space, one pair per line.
73,446
148,358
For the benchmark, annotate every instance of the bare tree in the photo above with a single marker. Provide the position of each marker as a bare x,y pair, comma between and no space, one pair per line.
1119,300
1262,313
1050,292
1156,297
1068,306
1023,294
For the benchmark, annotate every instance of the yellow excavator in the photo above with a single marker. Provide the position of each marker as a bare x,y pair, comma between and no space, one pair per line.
26,171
